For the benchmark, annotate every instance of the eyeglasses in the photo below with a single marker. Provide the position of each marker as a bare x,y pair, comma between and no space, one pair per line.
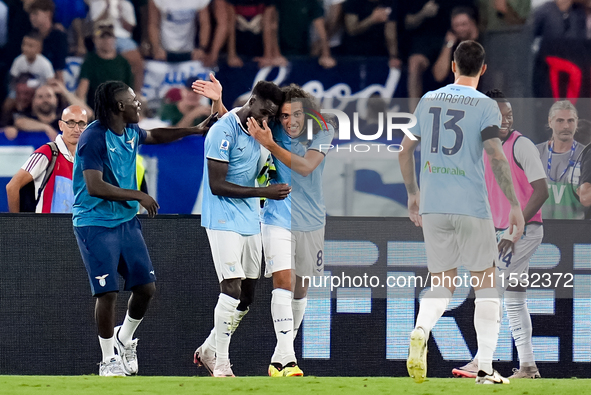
71,124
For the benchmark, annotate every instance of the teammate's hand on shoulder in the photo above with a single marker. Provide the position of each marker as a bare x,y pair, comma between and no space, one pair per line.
207,123
277,191
211,89
149,204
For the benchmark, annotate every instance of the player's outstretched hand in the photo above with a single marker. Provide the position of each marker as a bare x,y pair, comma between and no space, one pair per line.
207,123
149,204
516,222
277,191
210,89
414,202
261,134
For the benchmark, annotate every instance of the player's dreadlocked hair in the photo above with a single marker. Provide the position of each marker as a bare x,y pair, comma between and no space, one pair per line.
104,100
295,93
497,95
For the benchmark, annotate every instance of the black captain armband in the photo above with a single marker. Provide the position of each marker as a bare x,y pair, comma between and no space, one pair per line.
489,133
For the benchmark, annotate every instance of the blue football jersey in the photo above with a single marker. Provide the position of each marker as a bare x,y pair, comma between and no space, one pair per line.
115,156
449,122
304,209
227,141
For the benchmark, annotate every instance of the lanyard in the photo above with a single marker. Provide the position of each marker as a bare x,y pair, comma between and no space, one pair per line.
570,161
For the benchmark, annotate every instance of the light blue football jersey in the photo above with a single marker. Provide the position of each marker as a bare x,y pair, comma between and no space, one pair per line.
449,123
303,210
227,141
115,156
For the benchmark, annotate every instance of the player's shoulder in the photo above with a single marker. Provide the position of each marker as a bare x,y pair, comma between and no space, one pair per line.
45,149
94,131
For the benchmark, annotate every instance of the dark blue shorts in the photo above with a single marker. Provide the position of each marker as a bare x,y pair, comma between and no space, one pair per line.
108,251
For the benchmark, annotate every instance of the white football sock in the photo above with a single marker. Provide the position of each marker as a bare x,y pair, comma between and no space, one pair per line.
433,305
298,306
208,345
223,315
107,347
282,314
521,327
487,323
128,328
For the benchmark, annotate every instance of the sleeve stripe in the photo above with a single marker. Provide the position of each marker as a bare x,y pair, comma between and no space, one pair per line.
34,160
490,132
317,150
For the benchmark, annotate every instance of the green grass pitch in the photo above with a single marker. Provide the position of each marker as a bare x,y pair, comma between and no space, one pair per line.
89,385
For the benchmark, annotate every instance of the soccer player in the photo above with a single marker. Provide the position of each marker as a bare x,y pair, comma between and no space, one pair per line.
531,188
454,124
105,224
293,229
230,215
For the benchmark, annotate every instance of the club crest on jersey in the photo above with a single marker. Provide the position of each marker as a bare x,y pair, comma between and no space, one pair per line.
102,281
225,145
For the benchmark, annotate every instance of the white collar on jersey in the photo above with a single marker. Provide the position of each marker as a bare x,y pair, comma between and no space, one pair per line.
238,119
63,148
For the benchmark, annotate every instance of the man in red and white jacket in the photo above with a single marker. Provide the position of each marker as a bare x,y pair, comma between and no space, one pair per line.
58,194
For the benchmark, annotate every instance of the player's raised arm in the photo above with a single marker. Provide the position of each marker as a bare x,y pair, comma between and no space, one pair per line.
213,91
502,172
217,171
406,160
168,135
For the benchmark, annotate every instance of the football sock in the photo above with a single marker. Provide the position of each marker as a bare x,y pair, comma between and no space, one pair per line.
108,348
521,327
282,314
433,305
128,328
487,324
208,345
298,306
223,315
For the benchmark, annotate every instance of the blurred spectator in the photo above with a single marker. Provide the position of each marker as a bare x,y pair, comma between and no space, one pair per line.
501,14
31,60
140,31
24,87
426,23
173,28
295,20
121,14
584,189
55,42
69,16
583,133
18,25
252,34
334,23
371,21
103,64
559,156
559,19
212,46
43,116
464,26
58,194
186,112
